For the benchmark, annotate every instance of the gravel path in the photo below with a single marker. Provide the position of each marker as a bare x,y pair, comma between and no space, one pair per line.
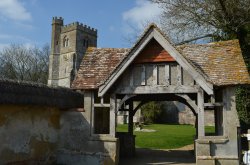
181,156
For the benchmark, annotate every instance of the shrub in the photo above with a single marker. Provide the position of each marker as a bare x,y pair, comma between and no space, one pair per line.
151,112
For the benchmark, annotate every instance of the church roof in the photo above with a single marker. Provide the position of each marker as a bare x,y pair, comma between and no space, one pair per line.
220,63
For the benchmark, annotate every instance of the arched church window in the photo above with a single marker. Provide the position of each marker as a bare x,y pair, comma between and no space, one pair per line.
65,41
86,43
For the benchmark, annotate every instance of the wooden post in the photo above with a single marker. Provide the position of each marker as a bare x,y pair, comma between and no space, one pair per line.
143,75
179,75
112,115
216,120
200,102
196,126
130,119
155,75
92,120
131,80
167,74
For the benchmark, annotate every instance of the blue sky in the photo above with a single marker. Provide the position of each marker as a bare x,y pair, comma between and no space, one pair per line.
29,21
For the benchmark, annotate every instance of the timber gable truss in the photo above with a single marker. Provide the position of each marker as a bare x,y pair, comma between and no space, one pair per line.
169,75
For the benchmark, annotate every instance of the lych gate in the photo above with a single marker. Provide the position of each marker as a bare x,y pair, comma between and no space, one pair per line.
202,77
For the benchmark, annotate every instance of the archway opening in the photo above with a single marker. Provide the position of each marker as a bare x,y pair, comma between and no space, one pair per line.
169,133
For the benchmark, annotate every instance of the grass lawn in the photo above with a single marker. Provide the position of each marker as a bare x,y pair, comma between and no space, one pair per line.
165,137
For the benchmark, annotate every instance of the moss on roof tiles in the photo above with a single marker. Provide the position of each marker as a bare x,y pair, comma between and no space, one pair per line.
221,63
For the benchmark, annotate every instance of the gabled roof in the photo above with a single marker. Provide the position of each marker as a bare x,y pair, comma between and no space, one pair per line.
153,32
96,65
221,62
218,64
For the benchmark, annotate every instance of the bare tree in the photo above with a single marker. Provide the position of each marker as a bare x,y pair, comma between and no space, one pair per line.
26,64
217,20
214,19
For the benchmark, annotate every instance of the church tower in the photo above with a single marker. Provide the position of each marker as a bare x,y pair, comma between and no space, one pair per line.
68,46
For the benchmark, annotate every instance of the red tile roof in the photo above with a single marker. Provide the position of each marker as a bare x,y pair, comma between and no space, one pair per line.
96,66
221,63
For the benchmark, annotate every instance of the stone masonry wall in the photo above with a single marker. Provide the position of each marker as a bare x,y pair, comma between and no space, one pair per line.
47,135
28,134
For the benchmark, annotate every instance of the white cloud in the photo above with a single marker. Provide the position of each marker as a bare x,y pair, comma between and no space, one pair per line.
15,10
143,12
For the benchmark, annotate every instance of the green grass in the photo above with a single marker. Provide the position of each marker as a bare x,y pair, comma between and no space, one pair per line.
165,137
209,130
122,128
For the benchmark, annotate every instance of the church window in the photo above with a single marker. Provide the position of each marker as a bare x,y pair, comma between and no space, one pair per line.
86,43
65,41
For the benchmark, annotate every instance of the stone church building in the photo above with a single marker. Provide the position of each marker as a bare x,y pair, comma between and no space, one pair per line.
68,46
113,80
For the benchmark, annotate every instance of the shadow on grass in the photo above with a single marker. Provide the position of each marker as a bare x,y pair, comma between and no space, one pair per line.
146,156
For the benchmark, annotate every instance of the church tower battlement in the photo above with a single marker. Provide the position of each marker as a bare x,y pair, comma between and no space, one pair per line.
68,46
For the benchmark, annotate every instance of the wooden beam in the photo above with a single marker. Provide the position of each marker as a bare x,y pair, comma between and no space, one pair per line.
213,104
167,74
102,100
155,75
92,120
137,107
130,119
131,78
143,75
201,123
179,75
124,110
125,98
100,105
157,89
189,101
112,115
